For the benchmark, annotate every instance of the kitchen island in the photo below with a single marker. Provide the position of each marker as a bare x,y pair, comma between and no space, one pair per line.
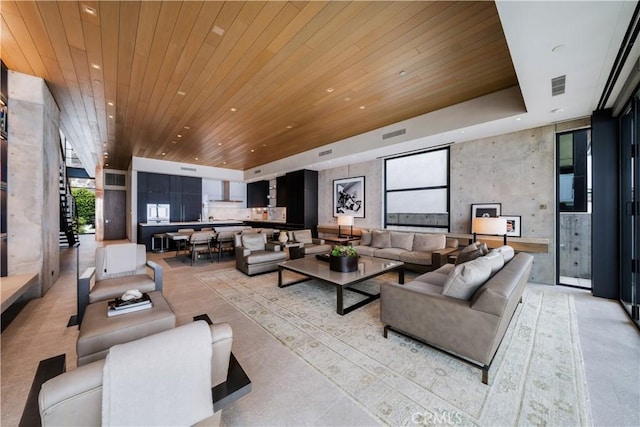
147,229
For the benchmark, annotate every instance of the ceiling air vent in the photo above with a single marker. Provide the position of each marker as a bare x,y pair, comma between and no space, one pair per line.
188,169
325,153
394,133
114,179
257,171
557,85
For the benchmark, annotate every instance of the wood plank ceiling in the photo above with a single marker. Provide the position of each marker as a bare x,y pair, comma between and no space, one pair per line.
240,84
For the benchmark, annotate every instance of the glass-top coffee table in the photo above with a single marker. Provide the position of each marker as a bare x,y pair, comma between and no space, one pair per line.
368,267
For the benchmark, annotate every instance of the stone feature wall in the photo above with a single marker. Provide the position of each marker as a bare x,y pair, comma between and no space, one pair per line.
33,205
373,185
516,170
575,245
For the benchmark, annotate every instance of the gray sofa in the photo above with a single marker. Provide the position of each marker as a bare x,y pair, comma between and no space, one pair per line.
419,251
462,309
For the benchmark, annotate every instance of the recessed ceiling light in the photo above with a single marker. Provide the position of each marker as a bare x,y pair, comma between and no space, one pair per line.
106,153
362,107
181,93
164,154
89,10
402,73
110,104
253,151
179,136
110,116
264,145
173,142
233,109
217,30
329,89
106,164
518,118
187,127
224,163
196,158
219,143
95,66
289,126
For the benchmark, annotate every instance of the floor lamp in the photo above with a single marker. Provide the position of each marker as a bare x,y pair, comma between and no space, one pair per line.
490,226
346,220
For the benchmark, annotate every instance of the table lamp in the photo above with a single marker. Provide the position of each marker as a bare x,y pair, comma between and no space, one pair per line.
348,220
490,226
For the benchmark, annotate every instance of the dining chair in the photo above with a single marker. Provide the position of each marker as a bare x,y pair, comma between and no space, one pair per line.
200,242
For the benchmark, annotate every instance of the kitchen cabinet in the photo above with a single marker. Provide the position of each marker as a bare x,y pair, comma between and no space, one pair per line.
302,198
183,193
258,194
281,191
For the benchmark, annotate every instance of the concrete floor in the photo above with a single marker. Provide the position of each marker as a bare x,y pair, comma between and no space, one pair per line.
285,390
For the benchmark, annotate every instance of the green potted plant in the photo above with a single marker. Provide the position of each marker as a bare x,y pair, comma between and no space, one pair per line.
343,259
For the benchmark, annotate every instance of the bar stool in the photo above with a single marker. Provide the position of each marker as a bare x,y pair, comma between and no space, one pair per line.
164,242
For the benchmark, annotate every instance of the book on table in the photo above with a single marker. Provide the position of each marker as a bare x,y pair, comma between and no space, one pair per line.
119,306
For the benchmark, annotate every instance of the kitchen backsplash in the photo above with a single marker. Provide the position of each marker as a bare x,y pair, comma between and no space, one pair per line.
245,214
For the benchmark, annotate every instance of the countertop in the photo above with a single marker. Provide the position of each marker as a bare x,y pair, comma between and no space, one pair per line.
213,222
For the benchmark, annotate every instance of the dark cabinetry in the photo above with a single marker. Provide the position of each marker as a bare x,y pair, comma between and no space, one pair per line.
258,194
302,198
281,191
183,193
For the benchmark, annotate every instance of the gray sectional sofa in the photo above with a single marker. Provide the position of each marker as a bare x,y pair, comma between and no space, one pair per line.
419,251
462,309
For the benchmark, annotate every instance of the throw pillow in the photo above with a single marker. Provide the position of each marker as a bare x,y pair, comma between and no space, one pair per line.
468,256
427,242
465,279
303,236
507,252
365,238
495,260
381,239
401,240
253,241
483,247
472,247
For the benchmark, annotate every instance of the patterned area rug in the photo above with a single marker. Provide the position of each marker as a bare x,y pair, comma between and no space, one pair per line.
537,376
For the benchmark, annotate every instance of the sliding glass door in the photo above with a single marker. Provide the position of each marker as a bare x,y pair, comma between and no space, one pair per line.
630,209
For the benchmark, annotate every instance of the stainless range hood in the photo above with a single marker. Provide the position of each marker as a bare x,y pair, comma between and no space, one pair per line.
226,196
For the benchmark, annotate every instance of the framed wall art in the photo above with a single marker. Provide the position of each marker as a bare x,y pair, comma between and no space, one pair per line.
349,197
513,225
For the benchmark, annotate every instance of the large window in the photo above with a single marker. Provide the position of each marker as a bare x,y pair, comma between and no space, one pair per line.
573,148
417,191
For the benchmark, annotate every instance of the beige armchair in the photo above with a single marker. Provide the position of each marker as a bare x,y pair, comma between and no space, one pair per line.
310,245
118,268
254,255
172,361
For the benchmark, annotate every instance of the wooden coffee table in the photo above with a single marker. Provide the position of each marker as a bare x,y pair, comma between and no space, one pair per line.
368,268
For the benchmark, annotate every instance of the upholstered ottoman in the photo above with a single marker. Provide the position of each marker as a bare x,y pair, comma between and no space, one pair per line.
98,332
